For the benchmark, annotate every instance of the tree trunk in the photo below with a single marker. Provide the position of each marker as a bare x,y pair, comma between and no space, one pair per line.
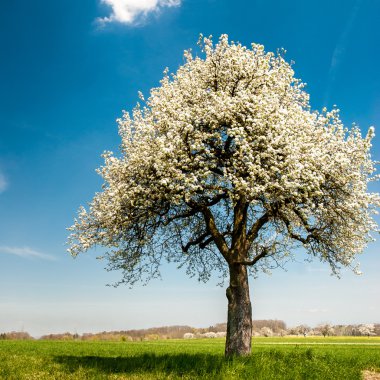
239,322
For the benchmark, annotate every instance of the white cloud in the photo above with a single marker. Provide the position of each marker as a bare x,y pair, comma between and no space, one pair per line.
3,183
131,11
340,49
25,252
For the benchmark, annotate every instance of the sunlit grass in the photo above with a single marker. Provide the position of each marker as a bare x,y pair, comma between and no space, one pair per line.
300,358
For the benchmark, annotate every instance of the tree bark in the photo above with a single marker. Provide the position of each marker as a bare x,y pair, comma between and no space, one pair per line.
239,321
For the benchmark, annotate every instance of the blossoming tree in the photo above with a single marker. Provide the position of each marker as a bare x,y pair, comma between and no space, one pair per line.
225,167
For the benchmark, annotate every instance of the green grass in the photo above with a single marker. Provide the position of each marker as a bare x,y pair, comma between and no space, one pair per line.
299,358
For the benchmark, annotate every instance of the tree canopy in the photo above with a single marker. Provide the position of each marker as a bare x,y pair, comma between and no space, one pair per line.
225,163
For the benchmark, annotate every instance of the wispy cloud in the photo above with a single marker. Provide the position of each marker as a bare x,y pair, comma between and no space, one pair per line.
340,49
26,252
132,11
3,183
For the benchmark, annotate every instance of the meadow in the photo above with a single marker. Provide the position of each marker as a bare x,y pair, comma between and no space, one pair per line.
272,358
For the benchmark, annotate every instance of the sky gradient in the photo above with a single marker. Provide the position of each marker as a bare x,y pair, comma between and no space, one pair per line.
69,68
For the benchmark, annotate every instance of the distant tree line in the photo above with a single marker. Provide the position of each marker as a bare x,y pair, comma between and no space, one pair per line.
276,326
323,329
265,327
15,335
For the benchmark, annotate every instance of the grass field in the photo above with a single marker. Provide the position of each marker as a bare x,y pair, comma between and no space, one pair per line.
272,358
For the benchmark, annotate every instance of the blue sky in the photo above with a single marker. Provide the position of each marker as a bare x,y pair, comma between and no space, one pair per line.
69,68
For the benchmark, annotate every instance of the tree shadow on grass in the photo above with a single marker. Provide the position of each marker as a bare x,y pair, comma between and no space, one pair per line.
173,364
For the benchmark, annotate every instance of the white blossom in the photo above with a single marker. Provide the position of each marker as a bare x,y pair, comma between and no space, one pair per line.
209,335
367,329
230,130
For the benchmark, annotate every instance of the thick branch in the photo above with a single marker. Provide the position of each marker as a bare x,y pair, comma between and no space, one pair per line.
239,227
213,230
254,231
228,144
194,208
303,220
252,262
205,243
294,235
199,240
207,202
216,170
185,214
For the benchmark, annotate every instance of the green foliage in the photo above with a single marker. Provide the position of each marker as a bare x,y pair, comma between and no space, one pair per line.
272,358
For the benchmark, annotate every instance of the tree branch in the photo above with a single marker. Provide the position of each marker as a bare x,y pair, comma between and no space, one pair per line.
210,240
294,235
239,231
213,230
252,262
254,231
304,220
199,240
185,214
